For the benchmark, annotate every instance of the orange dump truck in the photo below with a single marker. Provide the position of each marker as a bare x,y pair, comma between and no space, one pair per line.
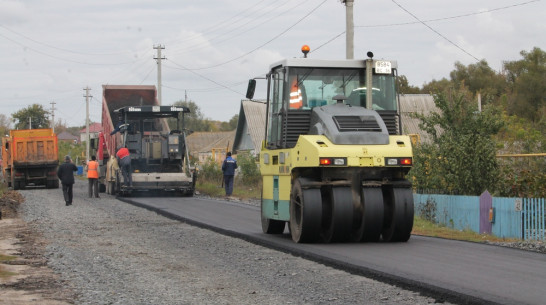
30,157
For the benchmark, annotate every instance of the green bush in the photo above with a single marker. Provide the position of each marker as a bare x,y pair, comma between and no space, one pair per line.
250,174
75,151
211,171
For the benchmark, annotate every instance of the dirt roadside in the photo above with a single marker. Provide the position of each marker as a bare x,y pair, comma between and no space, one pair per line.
24,275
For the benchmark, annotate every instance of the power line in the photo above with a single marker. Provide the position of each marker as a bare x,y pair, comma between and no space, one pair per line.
447,18
210,89
206,78
438,33
64,59
212,28
262,45
428,20
223,37
63,49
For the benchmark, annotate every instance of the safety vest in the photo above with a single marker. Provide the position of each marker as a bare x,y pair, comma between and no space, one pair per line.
93,169
296,101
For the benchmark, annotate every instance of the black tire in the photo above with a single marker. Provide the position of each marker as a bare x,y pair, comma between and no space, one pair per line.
373,214
271,226
341,216
305,213
398,214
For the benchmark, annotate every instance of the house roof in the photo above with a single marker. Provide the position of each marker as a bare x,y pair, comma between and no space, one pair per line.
416,103
65,135
94,127
251,124
201,141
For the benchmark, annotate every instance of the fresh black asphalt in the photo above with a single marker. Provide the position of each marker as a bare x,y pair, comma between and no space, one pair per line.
461,272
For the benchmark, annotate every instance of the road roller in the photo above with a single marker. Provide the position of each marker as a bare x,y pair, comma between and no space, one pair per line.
334,161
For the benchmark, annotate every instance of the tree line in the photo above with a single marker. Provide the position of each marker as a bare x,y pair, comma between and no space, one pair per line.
462,156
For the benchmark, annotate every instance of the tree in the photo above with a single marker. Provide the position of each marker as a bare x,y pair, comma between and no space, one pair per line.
231,124
404,87
35,114
461,157
195,120
435,86
60,126
527,79
5,125
479,78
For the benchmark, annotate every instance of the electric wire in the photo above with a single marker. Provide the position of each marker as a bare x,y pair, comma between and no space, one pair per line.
449,17
438,33
262,45
428,20
147,74
63,49
223,37
210,89
212,28
64,59
206,78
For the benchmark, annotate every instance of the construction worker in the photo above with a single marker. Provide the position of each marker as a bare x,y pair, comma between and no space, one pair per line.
66,175
228,168
125,164
93,177
296,101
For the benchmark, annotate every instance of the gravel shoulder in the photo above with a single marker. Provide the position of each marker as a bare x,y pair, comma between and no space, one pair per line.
103,251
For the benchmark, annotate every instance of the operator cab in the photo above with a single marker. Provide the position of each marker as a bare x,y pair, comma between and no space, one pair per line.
298,85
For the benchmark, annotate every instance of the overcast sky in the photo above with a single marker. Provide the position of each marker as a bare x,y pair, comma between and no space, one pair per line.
51,50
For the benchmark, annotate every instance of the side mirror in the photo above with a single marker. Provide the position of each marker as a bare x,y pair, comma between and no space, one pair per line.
251,88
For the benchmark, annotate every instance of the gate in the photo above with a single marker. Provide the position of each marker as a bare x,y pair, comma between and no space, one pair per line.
486,204
533,219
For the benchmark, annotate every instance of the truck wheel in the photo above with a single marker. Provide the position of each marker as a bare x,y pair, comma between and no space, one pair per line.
56,184
340,215
305,213
272,226
19,185
373,214
398,215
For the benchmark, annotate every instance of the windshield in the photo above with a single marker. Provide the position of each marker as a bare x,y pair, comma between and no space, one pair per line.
313,87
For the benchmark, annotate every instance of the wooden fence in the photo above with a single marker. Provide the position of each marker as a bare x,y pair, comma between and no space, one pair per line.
523,218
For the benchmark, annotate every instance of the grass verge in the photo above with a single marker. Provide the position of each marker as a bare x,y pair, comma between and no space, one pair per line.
213,189
426,228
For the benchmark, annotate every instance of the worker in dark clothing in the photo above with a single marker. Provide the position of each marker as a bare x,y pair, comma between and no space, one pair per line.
66,175
228,167
124,161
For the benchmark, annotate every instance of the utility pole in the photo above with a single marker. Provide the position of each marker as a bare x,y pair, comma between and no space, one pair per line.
53,116
158,58
87,96
350,29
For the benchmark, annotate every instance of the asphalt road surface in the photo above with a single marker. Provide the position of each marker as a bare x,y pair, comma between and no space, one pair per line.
468,272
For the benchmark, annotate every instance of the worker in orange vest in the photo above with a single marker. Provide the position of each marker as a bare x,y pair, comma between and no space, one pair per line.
93,177
296,101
